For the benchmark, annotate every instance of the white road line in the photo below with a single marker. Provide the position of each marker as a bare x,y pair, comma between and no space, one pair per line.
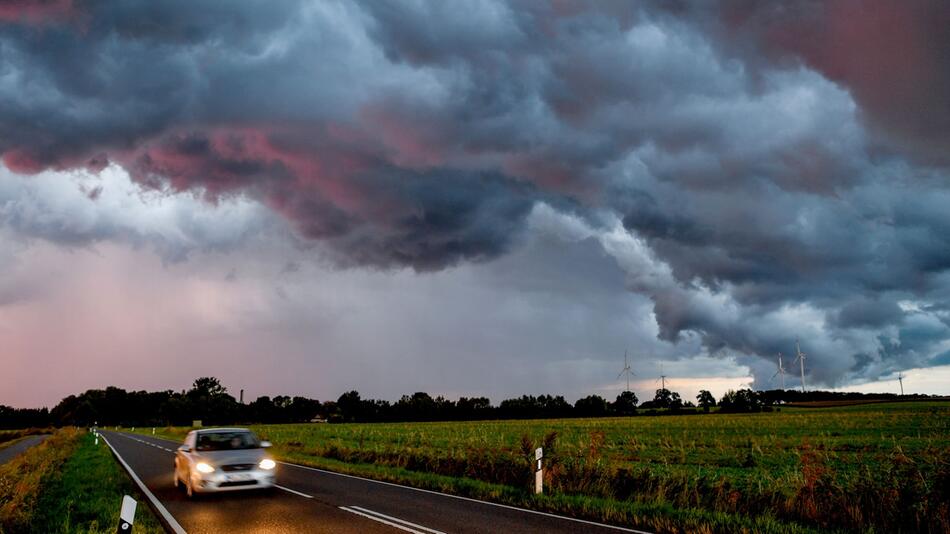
488,503
397,520
170,521
381,520
295,492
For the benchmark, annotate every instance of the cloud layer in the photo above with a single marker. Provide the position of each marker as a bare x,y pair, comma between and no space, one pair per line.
759,171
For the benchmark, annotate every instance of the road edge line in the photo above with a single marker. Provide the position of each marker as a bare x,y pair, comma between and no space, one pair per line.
168,521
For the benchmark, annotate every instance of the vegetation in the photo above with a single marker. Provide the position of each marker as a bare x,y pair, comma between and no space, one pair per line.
67,484
21,479
867,468
209,401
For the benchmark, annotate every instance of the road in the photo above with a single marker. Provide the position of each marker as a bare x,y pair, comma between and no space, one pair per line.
313,500
7,453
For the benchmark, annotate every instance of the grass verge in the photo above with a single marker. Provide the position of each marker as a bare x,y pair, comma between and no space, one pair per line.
67,484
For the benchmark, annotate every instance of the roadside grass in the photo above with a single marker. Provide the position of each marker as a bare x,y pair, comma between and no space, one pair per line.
86,495
22,478
67,485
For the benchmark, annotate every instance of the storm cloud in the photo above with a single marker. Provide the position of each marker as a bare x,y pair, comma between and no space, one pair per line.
759,171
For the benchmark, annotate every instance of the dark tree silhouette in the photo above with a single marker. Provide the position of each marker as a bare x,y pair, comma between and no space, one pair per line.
626,403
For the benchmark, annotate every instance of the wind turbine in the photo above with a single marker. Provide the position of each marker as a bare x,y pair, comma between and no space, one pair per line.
781,371
662,378
626,370
800,358
900,378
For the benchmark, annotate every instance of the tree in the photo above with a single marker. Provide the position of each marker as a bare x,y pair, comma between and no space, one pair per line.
207,386
665,398
626,403
591,406
742,401
705,400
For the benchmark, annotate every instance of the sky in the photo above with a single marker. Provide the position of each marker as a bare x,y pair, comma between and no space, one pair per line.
306,197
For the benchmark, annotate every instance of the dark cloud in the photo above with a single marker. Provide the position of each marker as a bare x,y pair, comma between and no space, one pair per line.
782,165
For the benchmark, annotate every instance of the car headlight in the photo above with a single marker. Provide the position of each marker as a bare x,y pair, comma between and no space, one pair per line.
267,463
204,468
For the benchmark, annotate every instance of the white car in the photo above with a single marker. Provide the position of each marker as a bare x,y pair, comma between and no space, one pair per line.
223,459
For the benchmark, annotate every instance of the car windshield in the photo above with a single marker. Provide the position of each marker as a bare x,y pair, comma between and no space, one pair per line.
227,441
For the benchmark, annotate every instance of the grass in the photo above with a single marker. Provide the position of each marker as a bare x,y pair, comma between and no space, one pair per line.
862,468
21,479
67,485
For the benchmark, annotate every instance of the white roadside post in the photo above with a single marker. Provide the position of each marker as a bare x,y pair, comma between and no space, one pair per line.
153,430
538,475
127,515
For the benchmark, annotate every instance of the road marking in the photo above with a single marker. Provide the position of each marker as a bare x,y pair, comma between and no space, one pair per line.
393,524
397,520
295,492
509,507
170,521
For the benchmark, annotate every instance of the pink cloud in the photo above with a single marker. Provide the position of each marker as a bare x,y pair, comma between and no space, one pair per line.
36,12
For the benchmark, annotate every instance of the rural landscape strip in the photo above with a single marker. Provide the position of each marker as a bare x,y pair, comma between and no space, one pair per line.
423,490
794,470
167,519
378,515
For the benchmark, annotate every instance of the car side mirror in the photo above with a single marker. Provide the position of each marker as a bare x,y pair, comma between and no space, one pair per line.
265,444
184,448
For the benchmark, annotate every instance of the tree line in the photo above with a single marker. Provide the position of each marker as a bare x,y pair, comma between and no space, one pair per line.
209,401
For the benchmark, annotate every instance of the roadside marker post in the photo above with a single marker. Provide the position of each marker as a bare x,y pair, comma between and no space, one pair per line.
127,515
538,474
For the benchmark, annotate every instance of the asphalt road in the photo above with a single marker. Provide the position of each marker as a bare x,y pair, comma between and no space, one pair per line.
313,500
7,453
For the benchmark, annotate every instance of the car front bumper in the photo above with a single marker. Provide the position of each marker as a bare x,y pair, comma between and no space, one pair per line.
233,481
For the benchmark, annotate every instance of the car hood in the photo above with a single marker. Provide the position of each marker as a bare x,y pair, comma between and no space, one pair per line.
244,456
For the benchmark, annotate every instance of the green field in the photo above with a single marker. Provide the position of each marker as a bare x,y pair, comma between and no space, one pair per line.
868,468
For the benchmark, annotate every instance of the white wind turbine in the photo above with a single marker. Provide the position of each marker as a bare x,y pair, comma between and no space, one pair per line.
662,379
781,371
626,370
800,359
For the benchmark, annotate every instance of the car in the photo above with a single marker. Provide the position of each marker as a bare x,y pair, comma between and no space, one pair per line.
223,459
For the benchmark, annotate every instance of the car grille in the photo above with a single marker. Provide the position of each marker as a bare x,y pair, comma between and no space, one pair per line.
237,467
241,483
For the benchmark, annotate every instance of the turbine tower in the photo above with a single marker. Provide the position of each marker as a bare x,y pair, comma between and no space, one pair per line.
626,370
900,378
662,379
781,371
800,359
